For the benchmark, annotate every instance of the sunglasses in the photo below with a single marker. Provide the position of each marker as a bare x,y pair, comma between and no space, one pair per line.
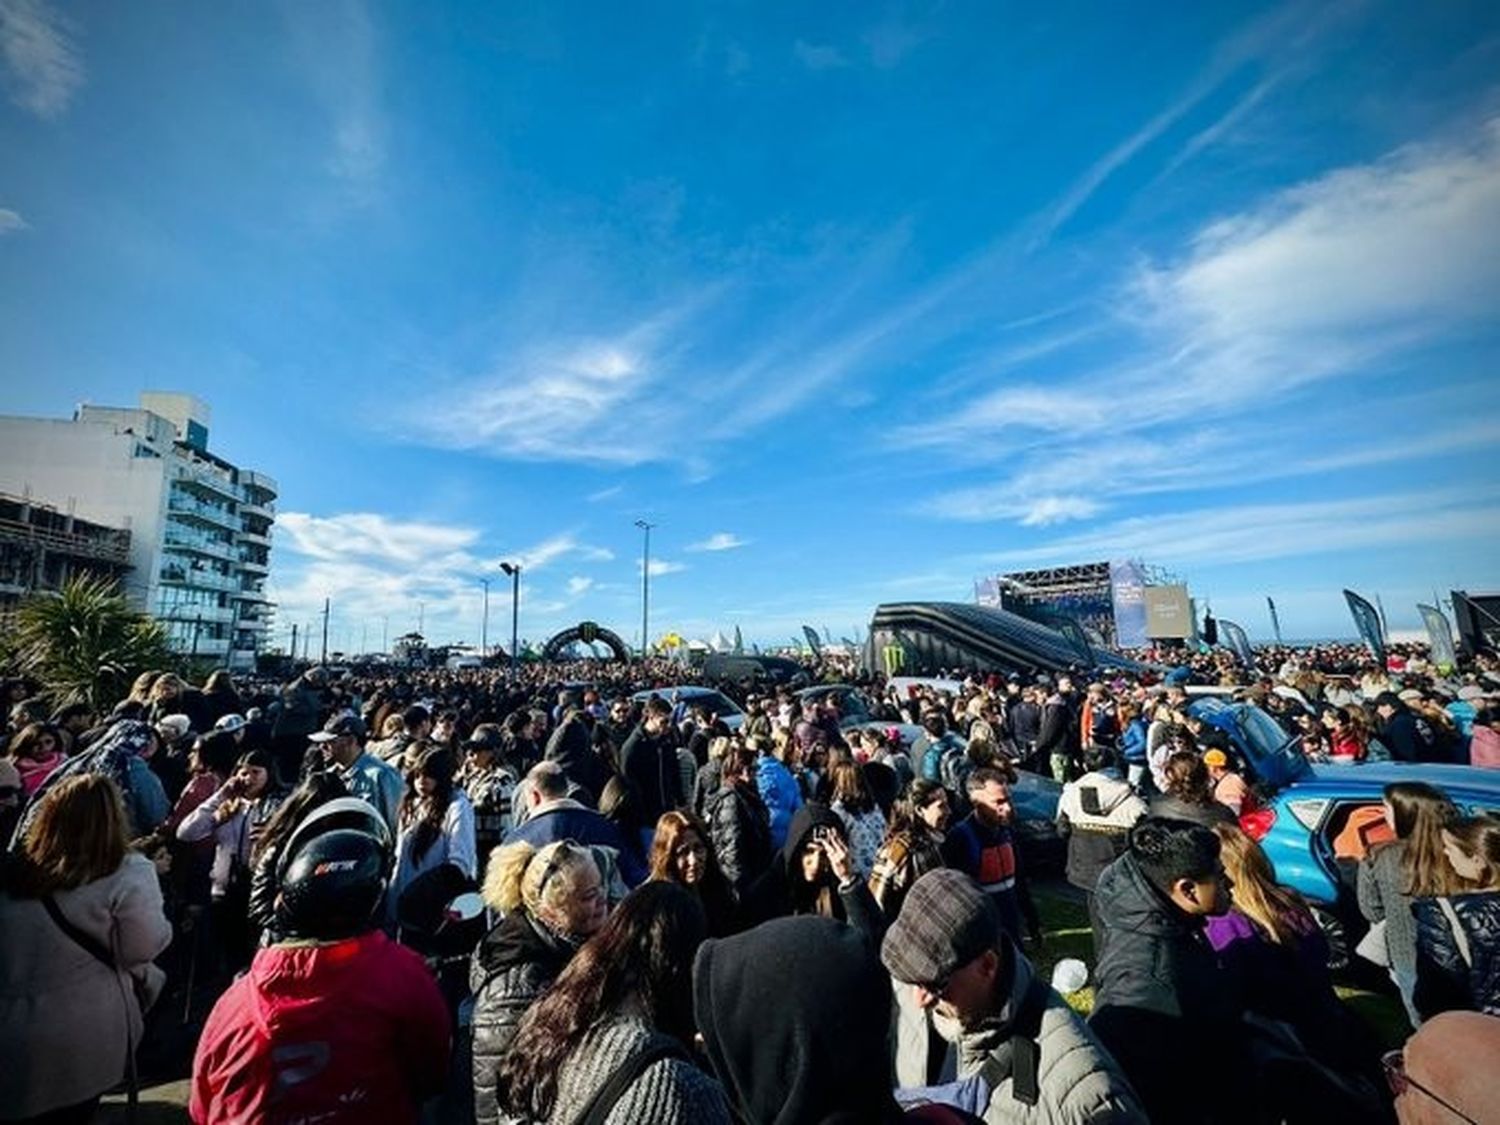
1394,1065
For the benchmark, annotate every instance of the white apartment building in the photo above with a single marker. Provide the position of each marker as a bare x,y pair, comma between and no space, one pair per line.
200,527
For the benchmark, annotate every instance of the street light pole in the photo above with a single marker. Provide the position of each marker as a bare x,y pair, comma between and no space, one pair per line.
514,570
484,624
645,587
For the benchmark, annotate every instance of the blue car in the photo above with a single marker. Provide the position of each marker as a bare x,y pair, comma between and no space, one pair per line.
1309,806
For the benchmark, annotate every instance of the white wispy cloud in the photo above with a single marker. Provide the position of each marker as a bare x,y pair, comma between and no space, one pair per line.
1272,41
818,56
662,566
1258,532
720,541
548,551
337,45
10,221
1319,282
371,566
41,63
605,494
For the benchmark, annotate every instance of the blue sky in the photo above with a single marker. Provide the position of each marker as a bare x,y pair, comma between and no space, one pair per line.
856,302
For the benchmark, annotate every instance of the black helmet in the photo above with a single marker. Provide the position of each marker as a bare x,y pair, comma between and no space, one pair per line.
333,886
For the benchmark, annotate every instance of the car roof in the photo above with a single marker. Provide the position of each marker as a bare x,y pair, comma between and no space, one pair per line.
684,691
1467,782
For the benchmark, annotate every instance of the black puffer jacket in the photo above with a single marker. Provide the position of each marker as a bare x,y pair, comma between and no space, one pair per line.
1163,1006
514,963
740,826
1446,978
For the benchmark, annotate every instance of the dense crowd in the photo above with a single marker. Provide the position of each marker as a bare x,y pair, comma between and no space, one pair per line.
571,893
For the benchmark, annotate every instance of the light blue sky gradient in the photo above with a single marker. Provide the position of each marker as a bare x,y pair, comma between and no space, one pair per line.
857,302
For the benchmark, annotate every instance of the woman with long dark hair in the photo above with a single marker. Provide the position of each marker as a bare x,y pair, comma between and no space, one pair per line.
913,846
316,790
682,853
854,804
436,825
621,1014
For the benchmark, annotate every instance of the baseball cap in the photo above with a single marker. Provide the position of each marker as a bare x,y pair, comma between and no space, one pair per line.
945,922
1215,758
341,725
230,723
174,726
1470,692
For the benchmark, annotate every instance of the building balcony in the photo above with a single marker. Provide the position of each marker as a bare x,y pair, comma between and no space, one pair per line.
253,624
206,482
207,614
254,566
200,578
251,595
254,538
204,646
266,511
185,507
254,483
200,545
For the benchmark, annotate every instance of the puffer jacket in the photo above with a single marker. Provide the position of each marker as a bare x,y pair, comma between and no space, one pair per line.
1079,1083
671,1091
740,828
782,797
1458,966
1096,812
1164,1007
513,965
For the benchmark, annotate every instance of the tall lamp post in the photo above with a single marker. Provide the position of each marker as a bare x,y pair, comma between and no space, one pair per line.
645,587
484,623
514,570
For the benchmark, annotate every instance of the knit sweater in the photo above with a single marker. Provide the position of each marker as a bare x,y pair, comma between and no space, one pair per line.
1381,898
670,1091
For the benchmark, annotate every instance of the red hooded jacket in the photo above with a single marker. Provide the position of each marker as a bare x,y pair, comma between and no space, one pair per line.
355,1031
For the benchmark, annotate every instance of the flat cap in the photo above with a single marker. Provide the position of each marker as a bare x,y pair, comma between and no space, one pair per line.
945,922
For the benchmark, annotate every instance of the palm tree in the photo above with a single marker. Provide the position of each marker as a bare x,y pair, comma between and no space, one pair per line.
85,643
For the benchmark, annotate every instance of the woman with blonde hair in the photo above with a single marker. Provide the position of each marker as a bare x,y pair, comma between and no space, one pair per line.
1396,873
1277,957
553,899
80,917
1458,933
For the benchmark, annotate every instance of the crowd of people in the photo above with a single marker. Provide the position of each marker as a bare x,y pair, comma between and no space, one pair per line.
568,893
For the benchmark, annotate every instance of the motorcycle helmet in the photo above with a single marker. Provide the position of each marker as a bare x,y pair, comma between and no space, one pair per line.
333,886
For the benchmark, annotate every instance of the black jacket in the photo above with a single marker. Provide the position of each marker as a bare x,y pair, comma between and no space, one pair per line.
1446,978
1057,722
571,749
649,761
513,965
1399,735
740,827
771,896
1175,808
1164,1007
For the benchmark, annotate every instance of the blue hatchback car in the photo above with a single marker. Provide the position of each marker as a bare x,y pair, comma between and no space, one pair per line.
1309,806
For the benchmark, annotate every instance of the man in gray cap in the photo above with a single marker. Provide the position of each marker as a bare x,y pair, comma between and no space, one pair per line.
363,773
1023,1054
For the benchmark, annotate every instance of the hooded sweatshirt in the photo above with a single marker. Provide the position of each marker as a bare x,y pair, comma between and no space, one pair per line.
351,1032
825,1011
772,895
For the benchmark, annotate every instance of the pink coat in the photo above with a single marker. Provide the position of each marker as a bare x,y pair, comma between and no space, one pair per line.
1484,747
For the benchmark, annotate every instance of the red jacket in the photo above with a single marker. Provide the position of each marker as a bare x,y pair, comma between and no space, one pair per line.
355,1031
